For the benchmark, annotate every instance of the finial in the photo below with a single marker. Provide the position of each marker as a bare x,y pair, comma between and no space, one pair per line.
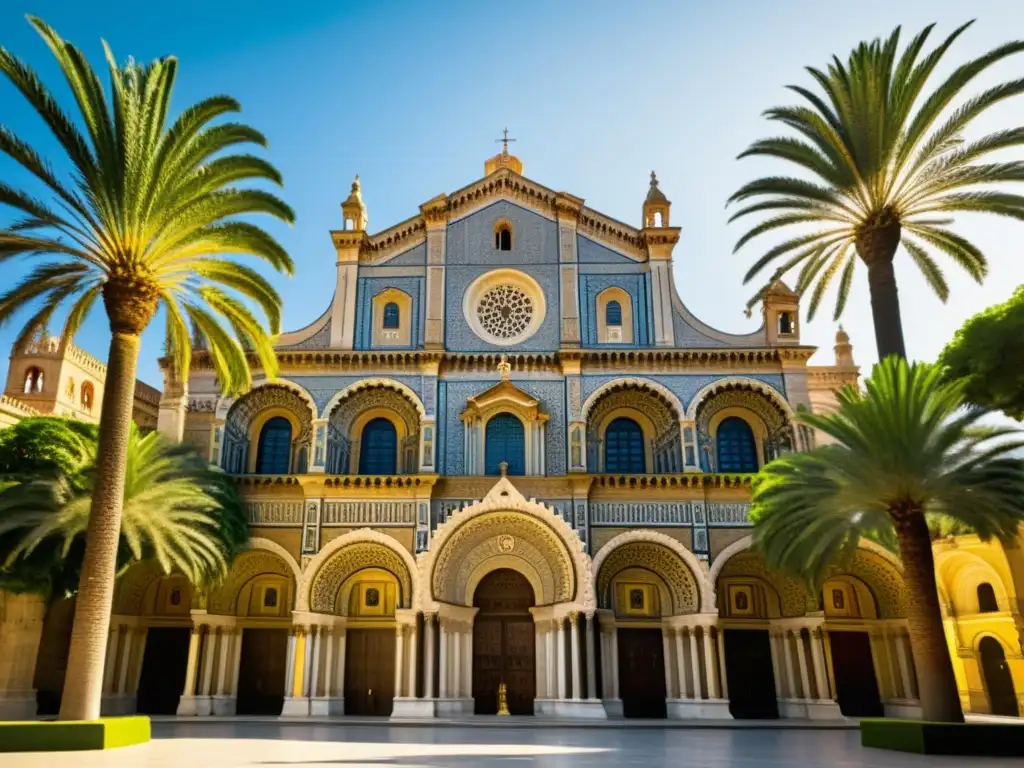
504,140
503,468
654,179
504,368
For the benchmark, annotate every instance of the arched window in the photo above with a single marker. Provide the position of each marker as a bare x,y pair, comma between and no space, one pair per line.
624,447
275,447
613,313
87,395
503,238
785,324
505,441
391,315
33,380
378,448
987,599
735,446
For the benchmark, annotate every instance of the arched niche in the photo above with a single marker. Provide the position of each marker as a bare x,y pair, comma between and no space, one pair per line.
247,416
351,410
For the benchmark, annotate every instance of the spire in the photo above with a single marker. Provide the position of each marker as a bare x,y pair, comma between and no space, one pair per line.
353,209
503,159
654,194
656,206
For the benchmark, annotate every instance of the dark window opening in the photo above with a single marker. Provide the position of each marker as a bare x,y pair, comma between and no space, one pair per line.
624,447
987,602
737,451
505,441
391,315
275,447
503,239
378,448
613,313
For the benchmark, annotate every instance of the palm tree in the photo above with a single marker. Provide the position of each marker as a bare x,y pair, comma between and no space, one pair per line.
890,166
177,510
904,449
144,222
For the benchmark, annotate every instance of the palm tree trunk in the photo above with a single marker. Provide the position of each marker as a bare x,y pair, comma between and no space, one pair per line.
83,687
940,701
885,309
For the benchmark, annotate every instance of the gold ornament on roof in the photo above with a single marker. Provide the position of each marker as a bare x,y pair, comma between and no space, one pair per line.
504,368
503,159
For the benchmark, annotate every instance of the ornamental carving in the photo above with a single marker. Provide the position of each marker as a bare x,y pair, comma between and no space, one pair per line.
269,396
348,561
794,600
637,400
682,586
368,399
132,586
883,580
538,557
505,311
749,400
247,566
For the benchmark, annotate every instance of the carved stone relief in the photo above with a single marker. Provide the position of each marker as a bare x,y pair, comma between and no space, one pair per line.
349,560
682,585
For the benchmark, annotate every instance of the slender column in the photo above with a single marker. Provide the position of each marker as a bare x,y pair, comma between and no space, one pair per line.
605,674
684,690
550,665
289,671
467,662
591,666
901,656
399,651
314,672
818,659
560,659
801,655
773,645
223,651
341,661
193,656
615,661
307,672
710,667
428,654
574,627
695,664
209,646
126,655
457,663
790,678
110,665
138,662
443,676
541,661
413,653
720,634
330,639
236,662
666,646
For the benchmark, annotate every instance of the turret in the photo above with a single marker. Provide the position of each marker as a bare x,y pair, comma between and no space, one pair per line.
656,206
844,350
353,210
781,308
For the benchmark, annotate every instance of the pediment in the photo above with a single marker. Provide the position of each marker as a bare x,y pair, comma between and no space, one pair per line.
503,396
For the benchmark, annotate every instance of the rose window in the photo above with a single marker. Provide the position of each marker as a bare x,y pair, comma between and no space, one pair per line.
505,311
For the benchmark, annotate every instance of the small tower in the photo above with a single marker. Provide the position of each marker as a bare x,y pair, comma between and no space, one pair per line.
844,350
656,206
781,308
353,210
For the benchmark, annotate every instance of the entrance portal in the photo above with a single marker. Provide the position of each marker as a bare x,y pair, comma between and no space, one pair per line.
642,673
503,643
164,664
998,684
749,672
856,685
369,671
261,671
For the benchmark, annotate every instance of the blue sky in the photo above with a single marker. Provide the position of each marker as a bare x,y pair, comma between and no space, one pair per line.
411,96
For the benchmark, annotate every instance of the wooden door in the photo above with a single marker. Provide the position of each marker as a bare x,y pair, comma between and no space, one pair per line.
262,669
503,643
369,671
748,668
642,673
164,664
854,671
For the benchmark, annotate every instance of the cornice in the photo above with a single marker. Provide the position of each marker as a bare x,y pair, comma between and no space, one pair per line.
831,378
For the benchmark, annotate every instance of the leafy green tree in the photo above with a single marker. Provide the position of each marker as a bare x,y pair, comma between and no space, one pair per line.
177,509
985,354
887,165
143,222
903,449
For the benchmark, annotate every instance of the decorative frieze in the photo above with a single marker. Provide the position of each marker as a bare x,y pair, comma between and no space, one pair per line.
370,513
269,513
667,513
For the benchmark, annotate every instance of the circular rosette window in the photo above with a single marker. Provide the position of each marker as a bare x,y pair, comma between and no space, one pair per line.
504,307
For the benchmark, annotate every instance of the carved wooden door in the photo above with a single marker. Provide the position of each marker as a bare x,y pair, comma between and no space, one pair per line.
503,643
642,672
369,671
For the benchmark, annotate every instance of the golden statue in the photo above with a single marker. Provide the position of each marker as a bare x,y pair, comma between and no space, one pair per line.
502,699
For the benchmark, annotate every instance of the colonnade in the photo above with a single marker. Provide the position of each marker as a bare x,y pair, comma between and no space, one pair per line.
126,645
695,679
211,673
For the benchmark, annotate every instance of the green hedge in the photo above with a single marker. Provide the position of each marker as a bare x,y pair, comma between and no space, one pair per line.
72,735
925,738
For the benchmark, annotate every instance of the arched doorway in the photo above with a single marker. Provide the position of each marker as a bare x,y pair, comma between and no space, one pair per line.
998,684
503,643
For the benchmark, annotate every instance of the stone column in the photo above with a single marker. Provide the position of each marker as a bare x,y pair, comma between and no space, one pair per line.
467,662
413,653
574,627
540,659
615,661
311,636
695,665
428,655
684,689
720,635
801,655
443,675
550,662
209,645
818,659
140,657
560,659
222,671
110,665
591,666
773,645
126,655
790,678
901,657
710,667
289,670
666,646
399,653
342,637
236,662
456,642
193,657
329,667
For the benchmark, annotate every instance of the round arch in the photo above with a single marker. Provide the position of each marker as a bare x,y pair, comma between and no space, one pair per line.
261,556
709,390
635,382
496,532
225,404
959,575
328,570
693,596
370,383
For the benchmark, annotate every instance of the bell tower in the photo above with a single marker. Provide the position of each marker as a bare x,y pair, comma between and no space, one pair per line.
660,240
349,242
353,210
781,309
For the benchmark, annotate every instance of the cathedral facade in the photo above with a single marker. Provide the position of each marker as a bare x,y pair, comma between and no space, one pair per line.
507,468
